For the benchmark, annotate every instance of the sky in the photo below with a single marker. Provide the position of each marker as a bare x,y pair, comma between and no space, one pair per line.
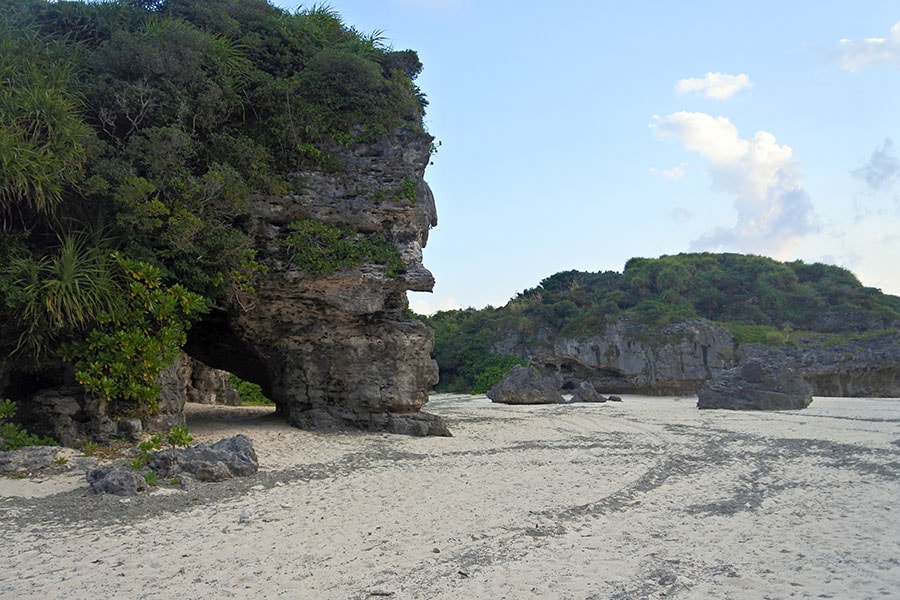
580,133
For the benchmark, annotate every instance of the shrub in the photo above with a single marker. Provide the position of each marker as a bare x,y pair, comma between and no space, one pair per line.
13,436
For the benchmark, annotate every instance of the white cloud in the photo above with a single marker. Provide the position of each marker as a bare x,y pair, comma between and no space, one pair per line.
424,307
853,55
719,86
673,174
773,209
882,169
679,213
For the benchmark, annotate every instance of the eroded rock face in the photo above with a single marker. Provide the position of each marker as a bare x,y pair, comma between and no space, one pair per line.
855,367
631,358
339,350
526,385
757,385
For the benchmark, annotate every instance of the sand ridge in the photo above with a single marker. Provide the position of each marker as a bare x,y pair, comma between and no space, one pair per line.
649,498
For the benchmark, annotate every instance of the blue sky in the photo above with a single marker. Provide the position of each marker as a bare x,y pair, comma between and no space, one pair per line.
578,134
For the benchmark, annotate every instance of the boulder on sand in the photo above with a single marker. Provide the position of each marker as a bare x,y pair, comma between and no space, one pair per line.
756,385
526,385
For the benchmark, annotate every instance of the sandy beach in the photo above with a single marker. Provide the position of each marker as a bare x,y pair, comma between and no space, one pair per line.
648,498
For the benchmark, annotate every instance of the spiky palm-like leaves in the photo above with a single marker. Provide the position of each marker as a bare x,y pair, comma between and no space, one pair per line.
42,135
62,292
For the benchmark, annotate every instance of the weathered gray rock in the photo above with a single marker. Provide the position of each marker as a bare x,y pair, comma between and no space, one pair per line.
67,415
29,458
526,385
227,458
852,366
338,350
173,383
210,386
586,392
130,430
757,385
625,357
118,480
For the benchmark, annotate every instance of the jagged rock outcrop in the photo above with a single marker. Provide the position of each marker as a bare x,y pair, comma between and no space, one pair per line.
586,392
631,358
67,415
851,366
526,385
339,349
757,385
117,480
210,386
227,458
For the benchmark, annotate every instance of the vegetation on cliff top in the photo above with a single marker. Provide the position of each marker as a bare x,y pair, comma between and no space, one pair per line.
760,299
132,135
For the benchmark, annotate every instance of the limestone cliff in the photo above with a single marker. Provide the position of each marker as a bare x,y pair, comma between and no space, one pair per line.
632,358
339,349
678,359
866,366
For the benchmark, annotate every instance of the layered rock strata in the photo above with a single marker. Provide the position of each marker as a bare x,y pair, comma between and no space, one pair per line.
630,358
339,349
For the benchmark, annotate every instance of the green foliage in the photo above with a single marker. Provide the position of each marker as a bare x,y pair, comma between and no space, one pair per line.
746,333
179,437
251,394
495,366
61,293
151,478
13,436
120,358
145,450
43,138
320,249
408,191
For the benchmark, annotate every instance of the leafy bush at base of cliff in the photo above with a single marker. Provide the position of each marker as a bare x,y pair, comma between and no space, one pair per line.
321,249
13,436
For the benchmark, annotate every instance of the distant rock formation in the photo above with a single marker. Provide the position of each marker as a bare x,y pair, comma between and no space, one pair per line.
586,392
757,385
678,359
635,359
845,366
526,385
337,350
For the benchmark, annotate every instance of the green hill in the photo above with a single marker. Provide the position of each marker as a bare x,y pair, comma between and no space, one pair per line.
759,298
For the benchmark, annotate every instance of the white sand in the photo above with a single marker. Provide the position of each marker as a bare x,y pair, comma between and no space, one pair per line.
649,498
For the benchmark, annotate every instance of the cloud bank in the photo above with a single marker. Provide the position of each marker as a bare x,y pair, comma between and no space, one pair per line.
882,169
773,209
719,86
853,55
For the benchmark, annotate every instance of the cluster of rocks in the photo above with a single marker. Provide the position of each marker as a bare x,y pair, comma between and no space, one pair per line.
225,459
69,415
527,385
679,359
756,385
